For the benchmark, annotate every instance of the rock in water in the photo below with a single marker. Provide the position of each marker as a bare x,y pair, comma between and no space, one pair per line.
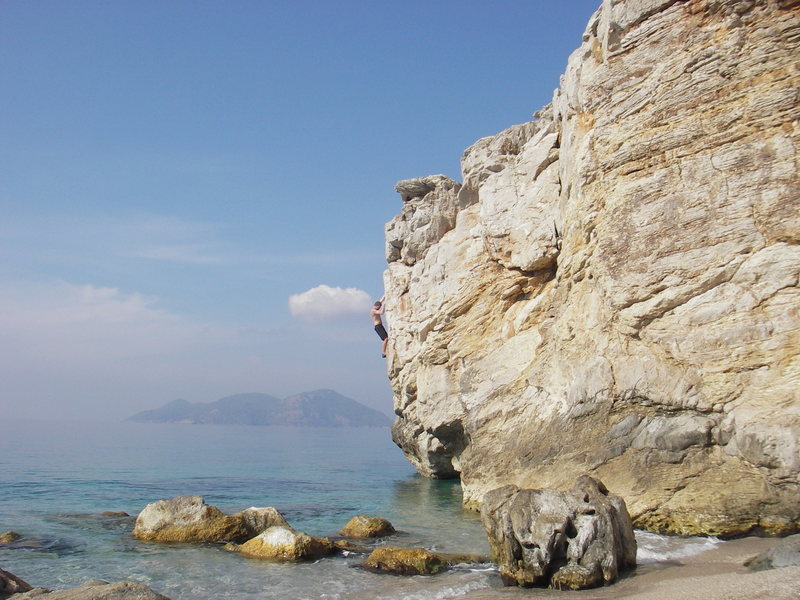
11,584
785,554
282,543
367,527
613,289
257,520
404,561
573,540
190,519
9,536
97,590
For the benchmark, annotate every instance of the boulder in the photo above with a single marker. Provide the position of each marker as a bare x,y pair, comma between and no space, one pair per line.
257,520
404,561
9,537
11,584
785,554
282,543
190,519
574,539
367,527
96,590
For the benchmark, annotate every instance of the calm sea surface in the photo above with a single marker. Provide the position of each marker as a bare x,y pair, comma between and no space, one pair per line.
56,479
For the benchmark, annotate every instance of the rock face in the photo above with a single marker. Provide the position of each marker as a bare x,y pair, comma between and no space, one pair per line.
613,289
282,543
574,540
367,527
190,519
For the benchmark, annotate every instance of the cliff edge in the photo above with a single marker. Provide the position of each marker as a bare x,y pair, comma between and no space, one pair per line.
613,287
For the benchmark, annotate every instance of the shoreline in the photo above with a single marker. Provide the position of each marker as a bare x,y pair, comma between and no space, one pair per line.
715,574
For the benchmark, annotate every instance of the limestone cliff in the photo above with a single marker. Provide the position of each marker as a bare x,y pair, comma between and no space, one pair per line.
613,289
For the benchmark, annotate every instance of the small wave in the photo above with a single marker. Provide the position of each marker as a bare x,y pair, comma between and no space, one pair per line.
453,591
653,547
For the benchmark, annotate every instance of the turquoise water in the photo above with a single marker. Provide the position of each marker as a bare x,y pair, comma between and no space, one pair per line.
56,479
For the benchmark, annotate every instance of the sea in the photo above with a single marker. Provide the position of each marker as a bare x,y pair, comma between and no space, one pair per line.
58,478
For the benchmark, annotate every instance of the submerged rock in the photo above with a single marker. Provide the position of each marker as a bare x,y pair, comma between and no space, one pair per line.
9,536
190,519
346,547
282,543
574,539
96,590
361,526
785,554
40,543
404,561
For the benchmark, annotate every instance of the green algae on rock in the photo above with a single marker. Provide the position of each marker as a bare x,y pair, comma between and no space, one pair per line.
9,536
404,561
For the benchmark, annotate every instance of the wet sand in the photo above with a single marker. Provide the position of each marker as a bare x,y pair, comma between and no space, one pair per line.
717,574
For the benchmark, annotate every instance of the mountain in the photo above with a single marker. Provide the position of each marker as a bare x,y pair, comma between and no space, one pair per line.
321,408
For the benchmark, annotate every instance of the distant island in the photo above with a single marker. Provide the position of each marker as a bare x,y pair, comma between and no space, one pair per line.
321,408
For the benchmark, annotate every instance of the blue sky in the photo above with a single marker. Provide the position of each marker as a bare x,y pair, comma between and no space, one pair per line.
174,172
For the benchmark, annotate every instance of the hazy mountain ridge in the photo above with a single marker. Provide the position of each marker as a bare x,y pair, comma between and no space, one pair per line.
320,408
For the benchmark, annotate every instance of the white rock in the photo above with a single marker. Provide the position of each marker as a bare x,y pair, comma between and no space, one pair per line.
632,254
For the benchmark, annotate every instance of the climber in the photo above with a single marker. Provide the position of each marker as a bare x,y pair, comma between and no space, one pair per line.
377,310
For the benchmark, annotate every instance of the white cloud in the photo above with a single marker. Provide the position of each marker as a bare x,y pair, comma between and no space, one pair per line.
325,302
86,351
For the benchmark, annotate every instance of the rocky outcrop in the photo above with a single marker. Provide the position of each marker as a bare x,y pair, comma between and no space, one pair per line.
578,539
613,289
282,543
361,526
190,519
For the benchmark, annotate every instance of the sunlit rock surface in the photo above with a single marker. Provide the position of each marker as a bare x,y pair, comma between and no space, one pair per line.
282,543
190,519
613,289
362,526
